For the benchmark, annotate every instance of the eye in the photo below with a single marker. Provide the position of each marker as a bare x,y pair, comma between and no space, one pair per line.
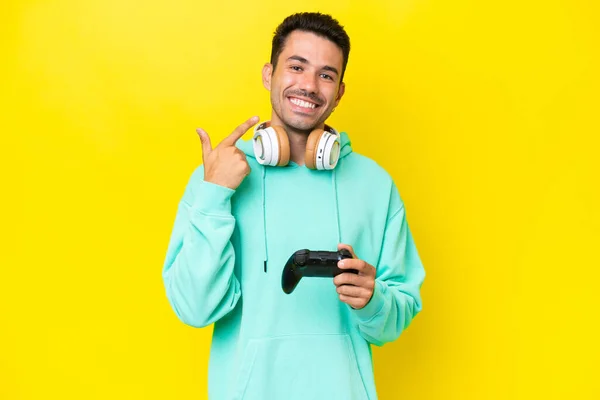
296,68
329,77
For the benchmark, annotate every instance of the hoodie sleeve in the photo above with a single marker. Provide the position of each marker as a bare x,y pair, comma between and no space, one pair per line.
198,270
396,298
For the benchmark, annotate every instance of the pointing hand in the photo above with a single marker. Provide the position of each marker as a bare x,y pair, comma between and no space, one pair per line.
225,165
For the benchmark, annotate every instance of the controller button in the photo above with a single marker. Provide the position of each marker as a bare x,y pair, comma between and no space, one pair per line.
301,259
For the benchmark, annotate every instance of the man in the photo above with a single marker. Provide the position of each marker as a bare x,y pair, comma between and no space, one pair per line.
240,220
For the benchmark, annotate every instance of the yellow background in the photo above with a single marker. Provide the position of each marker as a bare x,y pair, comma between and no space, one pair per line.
484,112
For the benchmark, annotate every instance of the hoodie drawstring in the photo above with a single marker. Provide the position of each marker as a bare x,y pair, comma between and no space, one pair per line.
264,214
337,210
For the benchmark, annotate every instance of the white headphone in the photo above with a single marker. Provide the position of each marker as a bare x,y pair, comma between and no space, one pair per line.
272,147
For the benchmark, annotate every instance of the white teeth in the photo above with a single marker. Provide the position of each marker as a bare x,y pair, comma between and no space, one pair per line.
303,103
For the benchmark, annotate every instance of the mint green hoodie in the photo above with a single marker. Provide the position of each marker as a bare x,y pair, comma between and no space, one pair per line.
224,263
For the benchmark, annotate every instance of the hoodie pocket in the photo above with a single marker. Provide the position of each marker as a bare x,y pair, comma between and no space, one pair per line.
300,367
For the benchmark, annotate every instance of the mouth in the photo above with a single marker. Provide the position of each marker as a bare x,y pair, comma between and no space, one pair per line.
302,105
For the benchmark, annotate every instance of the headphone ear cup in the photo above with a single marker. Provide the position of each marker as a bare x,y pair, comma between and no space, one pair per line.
312,144
284,146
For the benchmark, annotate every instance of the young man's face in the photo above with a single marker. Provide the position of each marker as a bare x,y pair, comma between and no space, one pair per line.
305,87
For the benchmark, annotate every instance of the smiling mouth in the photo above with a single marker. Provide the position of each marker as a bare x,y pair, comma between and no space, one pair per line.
306,105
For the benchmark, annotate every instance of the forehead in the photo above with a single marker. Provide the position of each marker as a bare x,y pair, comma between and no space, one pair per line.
318,50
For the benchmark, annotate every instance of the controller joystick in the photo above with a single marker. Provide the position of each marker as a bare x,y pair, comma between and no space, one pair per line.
317,264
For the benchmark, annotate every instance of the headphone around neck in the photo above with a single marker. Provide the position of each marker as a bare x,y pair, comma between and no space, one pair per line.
272,147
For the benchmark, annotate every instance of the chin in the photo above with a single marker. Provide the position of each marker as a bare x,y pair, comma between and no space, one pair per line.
304,128
302,124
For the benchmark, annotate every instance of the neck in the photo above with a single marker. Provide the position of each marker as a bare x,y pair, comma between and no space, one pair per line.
297,138
298,142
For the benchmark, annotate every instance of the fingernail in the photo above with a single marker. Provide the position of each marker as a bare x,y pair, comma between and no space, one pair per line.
341,263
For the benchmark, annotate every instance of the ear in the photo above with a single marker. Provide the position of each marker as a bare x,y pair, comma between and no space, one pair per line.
341,91
267,72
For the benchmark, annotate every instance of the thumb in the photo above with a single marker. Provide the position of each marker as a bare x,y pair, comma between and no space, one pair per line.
347,247
205,139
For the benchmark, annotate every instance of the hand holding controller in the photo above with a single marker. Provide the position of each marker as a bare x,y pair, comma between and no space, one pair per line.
306,263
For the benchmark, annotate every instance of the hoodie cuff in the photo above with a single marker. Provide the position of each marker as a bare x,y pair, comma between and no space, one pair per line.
374,305
212,199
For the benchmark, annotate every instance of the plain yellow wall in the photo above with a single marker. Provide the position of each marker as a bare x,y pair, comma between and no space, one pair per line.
484,112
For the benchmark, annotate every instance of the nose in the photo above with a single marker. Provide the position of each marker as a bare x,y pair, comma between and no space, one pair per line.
309,82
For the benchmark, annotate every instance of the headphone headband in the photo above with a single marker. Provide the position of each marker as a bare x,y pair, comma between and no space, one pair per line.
267,124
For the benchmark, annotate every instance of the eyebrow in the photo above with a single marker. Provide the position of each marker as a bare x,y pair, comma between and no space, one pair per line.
305,61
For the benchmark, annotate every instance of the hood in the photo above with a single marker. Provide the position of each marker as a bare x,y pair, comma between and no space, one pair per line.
345,148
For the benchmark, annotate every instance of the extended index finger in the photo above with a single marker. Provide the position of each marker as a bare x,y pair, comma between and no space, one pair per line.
239,132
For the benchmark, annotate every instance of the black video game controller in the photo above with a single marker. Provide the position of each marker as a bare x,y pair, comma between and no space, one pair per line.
306,263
